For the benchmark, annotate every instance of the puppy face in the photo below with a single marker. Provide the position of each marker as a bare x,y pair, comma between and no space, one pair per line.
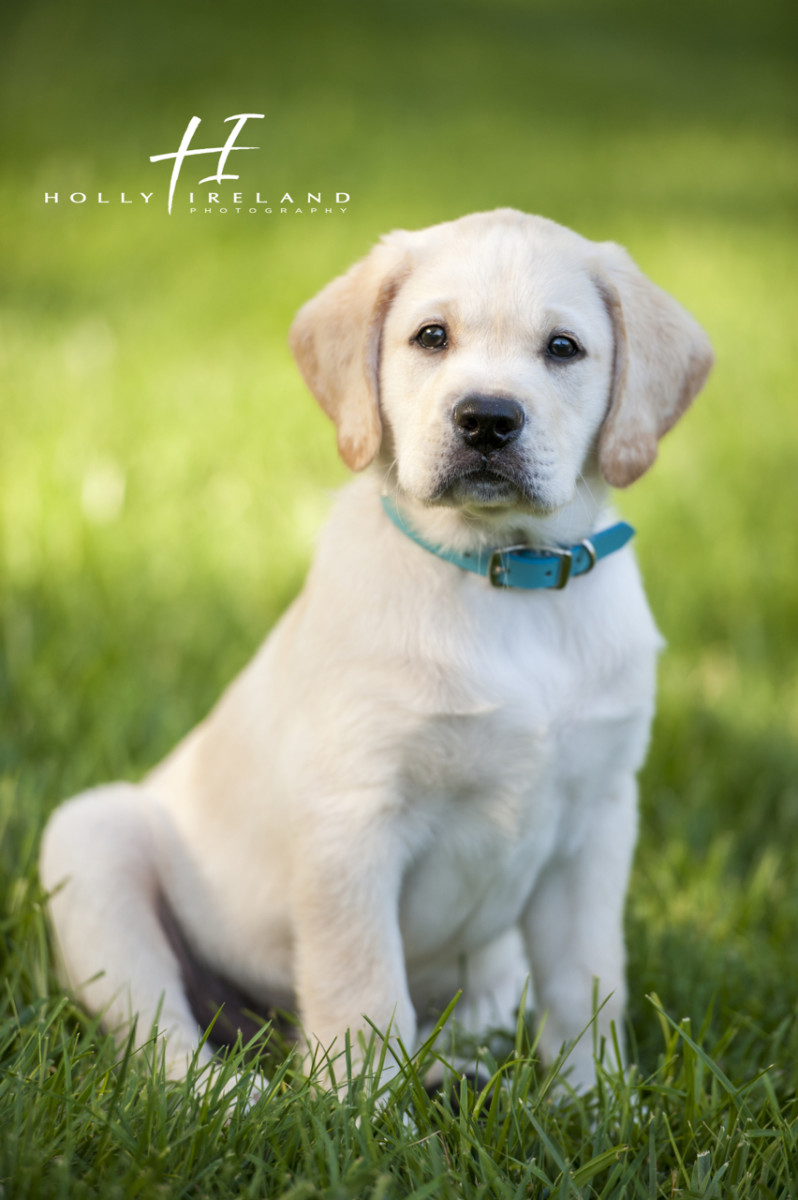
496,367
495,359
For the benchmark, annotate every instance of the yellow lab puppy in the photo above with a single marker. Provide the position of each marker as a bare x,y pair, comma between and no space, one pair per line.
425,778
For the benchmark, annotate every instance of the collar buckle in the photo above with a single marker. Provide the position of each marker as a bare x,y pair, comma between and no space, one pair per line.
496,568
566,559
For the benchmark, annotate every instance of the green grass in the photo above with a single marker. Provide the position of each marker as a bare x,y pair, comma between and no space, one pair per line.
163,473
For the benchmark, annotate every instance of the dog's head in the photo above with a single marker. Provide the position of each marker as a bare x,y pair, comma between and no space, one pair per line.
497,359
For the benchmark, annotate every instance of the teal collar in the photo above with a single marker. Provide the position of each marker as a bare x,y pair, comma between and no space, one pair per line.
523,566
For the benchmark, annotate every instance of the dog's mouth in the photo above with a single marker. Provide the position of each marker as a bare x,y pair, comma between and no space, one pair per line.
487,486
483,487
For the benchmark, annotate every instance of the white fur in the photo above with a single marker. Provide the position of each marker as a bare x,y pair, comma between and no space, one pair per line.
416,768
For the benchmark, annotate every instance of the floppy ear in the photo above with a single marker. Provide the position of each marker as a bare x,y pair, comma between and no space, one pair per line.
335,339
662,359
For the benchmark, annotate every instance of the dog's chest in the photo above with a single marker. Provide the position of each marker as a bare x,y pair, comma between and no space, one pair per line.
494,791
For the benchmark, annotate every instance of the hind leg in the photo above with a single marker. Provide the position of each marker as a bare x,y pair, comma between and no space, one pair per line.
99,861
496,977
493,980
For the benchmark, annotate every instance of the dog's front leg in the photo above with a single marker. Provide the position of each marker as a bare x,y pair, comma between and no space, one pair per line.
349,960
573,929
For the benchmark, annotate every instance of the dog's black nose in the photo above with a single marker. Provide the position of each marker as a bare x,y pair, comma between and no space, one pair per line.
488,422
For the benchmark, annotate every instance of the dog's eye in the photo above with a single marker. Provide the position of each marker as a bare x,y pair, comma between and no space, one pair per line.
561,346
432,337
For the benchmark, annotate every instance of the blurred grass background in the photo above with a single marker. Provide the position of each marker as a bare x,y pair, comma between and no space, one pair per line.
163,471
